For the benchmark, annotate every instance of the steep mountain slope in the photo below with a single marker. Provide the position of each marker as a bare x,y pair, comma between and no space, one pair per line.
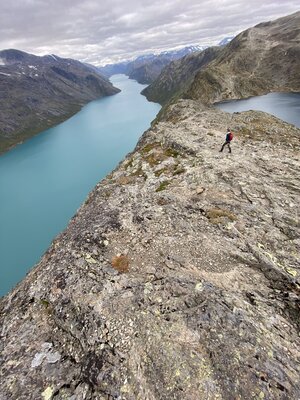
147,72
178,75
178,278
261,59
38,92
145,69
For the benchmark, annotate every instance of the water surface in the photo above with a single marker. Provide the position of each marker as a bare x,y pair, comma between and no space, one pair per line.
285,106
44,180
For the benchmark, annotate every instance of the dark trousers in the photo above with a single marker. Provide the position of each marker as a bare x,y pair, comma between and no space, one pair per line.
229,148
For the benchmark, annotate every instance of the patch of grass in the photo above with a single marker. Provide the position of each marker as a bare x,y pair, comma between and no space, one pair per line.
139,173
160,171
45,302
178,171
163,185
150,146
217,215
171,152
128,164
154,158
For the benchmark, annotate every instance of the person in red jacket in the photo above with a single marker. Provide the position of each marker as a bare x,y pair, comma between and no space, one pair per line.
228,139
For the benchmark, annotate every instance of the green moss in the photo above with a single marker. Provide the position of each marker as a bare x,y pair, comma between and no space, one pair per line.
160,172
163,185
171,153
178,171
45,302
128,164
150,146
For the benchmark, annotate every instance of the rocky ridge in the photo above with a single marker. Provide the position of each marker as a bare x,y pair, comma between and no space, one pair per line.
177,279
39,92
260,60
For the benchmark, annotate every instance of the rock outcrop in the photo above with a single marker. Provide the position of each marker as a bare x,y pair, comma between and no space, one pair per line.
177,279
39,92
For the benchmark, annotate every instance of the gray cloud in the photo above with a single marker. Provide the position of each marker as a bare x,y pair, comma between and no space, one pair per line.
103,31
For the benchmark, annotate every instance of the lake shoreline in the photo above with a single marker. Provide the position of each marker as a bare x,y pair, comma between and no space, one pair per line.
275,103
56,169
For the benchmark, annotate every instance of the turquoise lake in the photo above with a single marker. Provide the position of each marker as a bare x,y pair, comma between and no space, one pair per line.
283,105
44,180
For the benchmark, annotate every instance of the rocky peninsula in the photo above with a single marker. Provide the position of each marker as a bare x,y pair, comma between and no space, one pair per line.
177,279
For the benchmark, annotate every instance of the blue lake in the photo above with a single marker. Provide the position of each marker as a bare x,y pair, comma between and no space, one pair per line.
285,106
44,180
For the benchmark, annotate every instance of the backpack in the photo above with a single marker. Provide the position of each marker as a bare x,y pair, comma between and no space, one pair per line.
230,137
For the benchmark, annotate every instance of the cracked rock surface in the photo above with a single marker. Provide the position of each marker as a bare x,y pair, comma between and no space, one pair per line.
177,279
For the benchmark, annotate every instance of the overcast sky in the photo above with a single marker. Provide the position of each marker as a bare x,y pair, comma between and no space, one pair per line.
104,31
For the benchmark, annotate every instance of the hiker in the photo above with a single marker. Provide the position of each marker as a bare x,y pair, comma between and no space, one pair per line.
228,139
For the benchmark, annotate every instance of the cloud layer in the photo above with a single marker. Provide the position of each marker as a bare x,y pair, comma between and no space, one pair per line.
104,31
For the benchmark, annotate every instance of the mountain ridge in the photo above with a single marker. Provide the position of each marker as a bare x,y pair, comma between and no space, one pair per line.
39,92
146,68
259,60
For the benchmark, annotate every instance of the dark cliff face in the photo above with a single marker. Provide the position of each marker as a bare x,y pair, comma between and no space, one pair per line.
38,92
177,76
262,59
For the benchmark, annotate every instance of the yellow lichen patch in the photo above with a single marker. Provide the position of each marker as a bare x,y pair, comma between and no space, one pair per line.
47,393
291,271
120,263
90,259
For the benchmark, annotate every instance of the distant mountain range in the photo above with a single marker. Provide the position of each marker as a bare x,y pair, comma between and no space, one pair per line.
259,60
146,68
39,92
225,41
